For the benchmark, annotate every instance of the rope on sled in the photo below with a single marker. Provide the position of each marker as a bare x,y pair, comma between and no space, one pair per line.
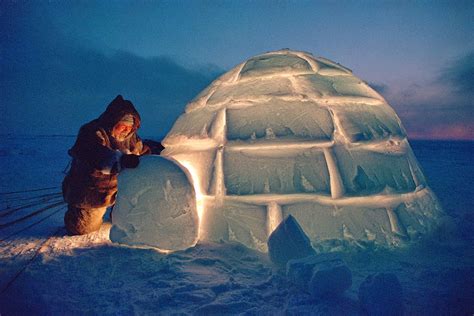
13,199
36,253
26,191
41,210
30,226
41,201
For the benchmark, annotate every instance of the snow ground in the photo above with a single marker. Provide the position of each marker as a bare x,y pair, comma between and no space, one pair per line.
90,275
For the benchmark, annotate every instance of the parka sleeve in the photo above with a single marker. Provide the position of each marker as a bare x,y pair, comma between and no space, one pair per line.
139,147
91,149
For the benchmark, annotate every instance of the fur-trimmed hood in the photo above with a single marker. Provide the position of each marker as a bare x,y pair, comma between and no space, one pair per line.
115,111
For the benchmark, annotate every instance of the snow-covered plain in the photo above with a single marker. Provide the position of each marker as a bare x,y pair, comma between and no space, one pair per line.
91,275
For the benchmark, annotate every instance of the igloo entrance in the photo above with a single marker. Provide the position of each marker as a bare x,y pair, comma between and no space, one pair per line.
287,133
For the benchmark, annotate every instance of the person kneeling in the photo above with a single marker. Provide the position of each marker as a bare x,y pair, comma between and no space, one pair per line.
102,149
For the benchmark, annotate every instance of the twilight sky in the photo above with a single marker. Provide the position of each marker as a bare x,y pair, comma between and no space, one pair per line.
62,62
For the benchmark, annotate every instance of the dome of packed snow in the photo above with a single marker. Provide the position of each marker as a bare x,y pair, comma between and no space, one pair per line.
287,133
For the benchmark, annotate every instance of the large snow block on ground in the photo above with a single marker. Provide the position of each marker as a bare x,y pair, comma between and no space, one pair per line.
156,206
288,241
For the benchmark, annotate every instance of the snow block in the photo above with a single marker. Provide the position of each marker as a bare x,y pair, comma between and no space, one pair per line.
328,67
300,271
286,171
235,222
366,172
271,64
252,123
330,278
199,163
421,215
362,122
324,275
194,125
251,90
381,294
288,241
156,206
316,86
323,223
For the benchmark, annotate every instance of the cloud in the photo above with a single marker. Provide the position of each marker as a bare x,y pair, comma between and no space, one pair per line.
441,107
460,75
52,84
437,121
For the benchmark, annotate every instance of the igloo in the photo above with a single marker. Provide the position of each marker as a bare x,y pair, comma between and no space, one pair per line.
287,133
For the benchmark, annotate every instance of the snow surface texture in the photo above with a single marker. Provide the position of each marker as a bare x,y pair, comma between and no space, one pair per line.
77,275
156,206
286,133
322,275
382,294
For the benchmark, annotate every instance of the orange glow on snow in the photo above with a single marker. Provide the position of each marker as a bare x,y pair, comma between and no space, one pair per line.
274,217
197,188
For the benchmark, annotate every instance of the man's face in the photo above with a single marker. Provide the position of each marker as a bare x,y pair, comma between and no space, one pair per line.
121,130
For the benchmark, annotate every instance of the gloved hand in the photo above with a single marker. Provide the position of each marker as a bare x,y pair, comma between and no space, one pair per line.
129,161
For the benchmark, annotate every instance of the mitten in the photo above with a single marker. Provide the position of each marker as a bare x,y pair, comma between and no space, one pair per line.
129,161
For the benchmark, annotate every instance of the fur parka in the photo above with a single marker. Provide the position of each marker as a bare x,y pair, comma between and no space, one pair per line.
92,179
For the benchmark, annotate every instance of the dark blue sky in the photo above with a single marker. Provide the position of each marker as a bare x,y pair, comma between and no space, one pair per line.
63,61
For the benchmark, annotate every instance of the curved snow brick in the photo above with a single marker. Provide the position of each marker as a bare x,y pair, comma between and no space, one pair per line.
274,64
156,206
238,222
362,122
251,89
194,125
252,123
288,171
366,172
316,85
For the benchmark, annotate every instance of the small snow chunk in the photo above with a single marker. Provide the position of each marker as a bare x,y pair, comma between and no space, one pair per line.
381,294
288,241
164,214
324,275
330,279
299,271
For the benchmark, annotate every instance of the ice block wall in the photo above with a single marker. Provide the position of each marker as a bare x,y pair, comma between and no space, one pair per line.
288,133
